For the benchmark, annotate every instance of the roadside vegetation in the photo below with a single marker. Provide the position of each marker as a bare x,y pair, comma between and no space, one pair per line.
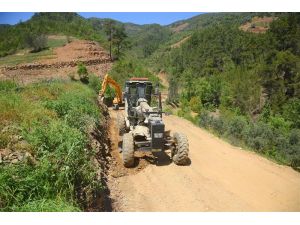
47,160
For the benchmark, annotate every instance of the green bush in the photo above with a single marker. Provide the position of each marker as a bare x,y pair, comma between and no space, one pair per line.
218,125
81,100
195,104
205,119
259,136
95,83
291,112
83,73
294,153
280,123
7,85
236,127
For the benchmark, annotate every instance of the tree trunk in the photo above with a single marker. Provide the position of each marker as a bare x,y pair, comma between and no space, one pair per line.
110,43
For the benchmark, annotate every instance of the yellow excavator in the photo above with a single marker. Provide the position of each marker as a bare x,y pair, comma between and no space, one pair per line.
118,99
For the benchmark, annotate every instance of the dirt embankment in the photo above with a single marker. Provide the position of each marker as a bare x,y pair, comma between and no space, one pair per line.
63,63
99,141
221,177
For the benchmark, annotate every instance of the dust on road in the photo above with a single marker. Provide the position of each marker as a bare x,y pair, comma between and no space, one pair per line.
220,177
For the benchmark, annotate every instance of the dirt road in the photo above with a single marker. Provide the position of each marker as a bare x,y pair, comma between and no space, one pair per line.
220,177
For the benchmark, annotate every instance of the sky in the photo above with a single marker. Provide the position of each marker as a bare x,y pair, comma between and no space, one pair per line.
162,18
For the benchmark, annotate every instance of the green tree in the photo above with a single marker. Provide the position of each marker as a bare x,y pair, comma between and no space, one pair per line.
119,39
37,42
109,27
281,78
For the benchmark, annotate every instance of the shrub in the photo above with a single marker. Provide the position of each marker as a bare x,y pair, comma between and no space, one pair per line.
7,85
291,112
218,125
195,104
83,73
258,136
280,123
74,100
95,83
236,126
204,119
294,141
294,138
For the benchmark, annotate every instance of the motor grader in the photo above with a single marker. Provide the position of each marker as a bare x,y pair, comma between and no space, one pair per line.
141,125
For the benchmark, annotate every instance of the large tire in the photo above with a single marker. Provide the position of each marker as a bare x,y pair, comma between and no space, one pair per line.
181,151
121,125
128,150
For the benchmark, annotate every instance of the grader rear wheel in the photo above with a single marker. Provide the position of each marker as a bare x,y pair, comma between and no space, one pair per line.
181,149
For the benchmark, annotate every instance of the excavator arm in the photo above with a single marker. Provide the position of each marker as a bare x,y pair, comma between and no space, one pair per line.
109,81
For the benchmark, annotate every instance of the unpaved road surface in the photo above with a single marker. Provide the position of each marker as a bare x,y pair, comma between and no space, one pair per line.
220,177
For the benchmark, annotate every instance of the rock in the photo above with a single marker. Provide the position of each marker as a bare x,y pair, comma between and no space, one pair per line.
14,161
15,138
20,157
29,158
12,156
5,152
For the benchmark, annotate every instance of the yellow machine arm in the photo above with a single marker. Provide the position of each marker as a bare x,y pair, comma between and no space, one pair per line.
108,80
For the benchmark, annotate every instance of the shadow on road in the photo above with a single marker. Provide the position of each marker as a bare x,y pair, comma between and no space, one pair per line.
158,159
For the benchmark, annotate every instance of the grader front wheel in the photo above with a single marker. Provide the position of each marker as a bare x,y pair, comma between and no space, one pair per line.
128,150
121,125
